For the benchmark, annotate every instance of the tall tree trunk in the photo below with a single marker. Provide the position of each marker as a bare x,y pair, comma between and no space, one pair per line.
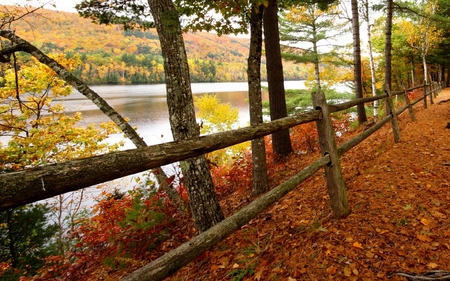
413,72
362,117
371,60
11,238
388,49
205,207
260,179
281,141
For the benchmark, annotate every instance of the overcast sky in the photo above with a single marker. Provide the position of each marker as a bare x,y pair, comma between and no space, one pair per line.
62,5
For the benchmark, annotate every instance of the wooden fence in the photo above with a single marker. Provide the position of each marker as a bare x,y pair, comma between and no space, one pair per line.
51,180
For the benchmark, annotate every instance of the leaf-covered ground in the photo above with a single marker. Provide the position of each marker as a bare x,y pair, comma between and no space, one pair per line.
399,194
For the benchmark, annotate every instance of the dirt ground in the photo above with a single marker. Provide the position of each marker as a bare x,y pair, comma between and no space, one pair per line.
399,194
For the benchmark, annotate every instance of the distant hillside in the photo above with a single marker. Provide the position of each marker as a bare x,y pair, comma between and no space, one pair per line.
111,55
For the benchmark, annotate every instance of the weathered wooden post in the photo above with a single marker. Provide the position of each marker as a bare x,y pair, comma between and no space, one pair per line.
390,104
425,94
431,92
408,102
333,173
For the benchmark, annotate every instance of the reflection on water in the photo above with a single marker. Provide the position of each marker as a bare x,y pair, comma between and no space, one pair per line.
146,106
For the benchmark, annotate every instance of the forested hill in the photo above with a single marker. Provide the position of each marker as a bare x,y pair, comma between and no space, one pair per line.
111,55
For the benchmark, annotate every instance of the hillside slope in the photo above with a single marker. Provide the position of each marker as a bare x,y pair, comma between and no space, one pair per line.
111,55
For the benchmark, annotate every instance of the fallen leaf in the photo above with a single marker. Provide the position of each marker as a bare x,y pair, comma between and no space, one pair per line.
331,270
355,271
235,265
224,262
347,271
401,253
424,221
369,254
259,274
327,252
432,265
214,267
357,245
291,279
424,238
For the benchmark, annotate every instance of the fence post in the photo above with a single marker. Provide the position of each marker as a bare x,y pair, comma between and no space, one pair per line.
390,104
425,94
333,172
431,92
408,102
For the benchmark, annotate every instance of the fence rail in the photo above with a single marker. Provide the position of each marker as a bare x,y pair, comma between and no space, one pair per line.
56,179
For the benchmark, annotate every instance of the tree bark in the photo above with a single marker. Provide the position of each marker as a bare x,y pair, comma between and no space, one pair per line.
204,204
281,141
31,185
260,178
362,117
388,49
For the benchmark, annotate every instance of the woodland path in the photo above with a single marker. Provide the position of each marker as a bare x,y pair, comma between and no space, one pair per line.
400,221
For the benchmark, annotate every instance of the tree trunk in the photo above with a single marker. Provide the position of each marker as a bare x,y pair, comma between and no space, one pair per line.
205,207
260,179
281,141
11,238
388,49
362,117
371,60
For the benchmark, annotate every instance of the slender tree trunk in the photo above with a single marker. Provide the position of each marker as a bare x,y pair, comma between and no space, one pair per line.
281,141
388,49
205,207
413,72
371,60
362,117
12,248
260,179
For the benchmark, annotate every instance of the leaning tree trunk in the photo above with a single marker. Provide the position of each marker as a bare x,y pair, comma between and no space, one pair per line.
281,141
362,117
260,179
205,207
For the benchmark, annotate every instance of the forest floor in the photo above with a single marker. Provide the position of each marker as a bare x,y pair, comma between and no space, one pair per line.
399,194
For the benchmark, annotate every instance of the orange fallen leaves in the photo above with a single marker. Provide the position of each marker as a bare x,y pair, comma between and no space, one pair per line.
357,245
425,222
424,238
331,270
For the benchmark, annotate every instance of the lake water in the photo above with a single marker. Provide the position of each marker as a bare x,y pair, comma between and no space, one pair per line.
146,106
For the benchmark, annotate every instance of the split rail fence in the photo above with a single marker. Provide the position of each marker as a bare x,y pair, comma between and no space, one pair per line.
51,180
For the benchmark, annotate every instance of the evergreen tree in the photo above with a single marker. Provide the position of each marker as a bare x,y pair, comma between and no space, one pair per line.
25,239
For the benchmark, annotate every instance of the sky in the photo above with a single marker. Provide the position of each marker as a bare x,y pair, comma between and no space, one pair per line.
61,5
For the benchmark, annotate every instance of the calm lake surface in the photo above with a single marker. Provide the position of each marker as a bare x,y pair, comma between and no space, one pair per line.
146,106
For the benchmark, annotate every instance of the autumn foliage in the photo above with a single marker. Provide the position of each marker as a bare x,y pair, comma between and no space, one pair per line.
121,231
